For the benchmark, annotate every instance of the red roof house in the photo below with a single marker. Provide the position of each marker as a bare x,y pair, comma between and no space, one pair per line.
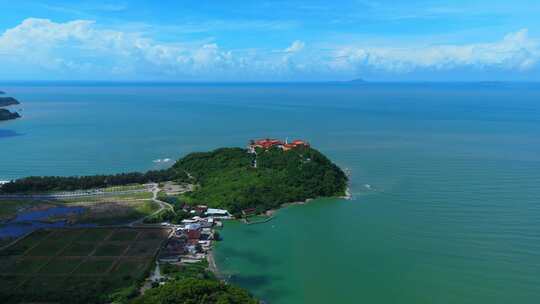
269,143
266,143
299,142
193,234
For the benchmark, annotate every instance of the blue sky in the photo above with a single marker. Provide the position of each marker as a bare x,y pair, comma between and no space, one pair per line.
262,40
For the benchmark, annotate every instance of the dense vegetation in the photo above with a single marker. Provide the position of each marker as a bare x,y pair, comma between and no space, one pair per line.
188,291
197,270
193,283
56,290
58,183
227,177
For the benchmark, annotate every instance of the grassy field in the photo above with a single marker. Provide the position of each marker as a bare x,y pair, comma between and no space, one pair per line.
124,188
70,266
110,197
113,212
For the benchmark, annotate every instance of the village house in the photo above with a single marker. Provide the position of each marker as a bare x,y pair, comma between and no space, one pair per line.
192,226
218,213
249,212
174,249
193,234
200,209
193,238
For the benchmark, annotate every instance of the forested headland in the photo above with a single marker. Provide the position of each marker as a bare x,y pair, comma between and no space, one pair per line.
229,178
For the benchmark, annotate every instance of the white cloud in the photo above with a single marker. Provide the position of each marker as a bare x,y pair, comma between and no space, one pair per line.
81,49
296,46
516,51
291,60
80,45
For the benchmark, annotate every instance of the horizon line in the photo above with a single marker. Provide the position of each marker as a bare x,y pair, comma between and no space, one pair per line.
352,81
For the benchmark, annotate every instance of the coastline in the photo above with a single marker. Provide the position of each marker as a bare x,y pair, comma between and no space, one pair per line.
271,212
210,257
212,266
348,194
192,237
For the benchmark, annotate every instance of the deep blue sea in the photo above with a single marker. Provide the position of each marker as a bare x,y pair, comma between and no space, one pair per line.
445,178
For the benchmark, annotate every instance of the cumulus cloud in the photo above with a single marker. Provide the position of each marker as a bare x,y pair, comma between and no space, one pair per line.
516,51
80,45
290,60
296,46
82,49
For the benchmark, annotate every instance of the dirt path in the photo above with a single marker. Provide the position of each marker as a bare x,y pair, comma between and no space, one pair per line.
162,205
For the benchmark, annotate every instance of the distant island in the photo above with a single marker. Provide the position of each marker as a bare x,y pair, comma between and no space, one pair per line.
6,102
263,176
8,115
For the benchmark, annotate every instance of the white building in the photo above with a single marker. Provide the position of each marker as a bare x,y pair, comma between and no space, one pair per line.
217,212
193,226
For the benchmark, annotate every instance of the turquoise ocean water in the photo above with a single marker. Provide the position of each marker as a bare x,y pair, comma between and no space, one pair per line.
445,178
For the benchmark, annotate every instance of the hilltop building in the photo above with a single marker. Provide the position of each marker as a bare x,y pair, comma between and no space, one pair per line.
268,143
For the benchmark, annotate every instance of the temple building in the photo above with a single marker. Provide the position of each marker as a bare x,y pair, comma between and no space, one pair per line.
268,143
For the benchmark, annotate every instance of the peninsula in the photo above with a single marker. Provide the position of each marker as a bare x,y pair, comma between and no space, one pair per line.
164,250
263,176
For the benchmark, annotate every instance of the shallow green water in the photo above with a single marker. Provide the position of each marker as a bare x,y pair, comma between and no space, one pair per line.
452,214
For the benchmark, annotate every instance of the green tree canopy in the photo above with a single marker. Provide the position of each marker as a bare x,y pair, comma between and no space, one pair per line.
196,291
